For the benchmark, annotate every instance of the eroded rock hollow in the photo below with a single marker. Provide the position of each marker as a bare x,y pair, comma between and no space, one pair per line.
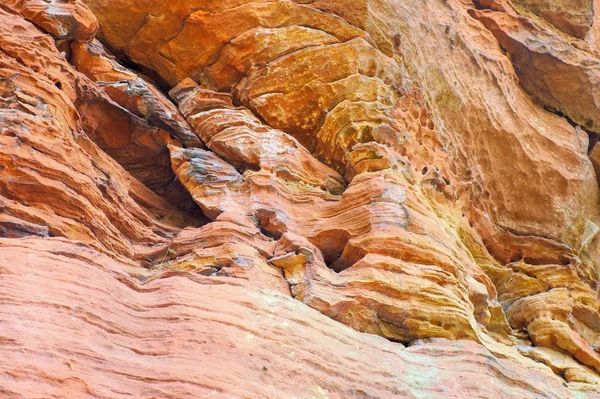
299,199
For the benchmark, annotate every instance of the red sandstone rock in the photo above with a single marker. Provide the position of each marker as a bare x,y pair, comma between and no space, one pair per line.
574,17
188,336
131,91
53,177
63,19
380,165
560,72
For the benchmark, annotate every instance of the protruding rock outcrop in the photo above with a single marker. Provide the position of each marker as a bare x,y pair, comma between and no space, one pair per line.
574,17
54,180
559,71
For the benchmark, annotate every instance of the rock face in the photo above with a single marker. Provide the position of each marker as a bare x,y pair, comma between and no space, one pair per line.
559,71
277,199
574,17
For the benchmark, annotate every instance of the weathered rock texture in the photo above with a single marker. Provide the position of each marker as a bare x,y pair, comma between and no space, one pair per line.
574,17
291,199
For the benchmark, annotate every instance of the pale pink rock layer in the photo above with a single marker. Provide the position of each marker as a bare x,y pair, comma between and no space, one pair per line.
75,325
285,199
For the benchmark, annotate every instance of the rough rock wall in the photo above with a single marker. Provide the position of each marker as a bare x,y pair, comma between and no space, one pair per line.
278,199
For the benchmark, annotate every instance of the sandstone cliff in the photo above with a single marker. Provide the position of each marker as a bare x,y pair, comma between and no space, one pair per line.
299,199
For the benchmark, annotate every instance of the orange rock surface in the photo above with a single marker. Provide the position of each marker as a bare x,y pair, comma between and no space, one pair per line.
291,199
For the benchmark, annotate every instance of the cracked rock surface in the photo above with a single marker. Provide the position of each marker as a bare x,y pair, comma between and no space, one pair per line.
299,199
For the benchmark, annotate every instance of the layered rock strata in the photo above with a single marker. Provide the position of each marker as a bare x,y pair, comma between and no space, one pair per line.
275,172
